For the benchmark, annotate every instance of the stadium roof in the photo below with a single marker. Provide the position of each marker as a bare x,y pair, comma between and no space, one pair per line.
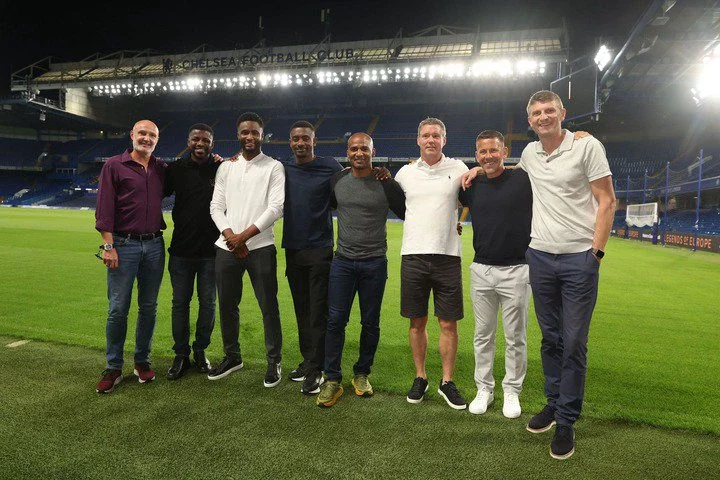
658,46
434,44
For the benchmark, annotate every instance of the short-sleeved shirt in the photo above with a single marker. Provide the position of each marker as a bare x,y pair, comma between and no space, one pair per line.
564,208
307,219
431,201
501,212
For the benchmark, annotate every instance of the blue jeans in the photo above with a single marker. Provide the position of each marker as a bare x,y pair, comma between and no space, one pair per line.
144,260
565,289
183,271
366,277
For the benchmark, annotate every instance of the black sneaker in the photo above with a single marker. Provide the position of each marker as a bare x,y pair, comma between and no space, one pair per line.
543,421
225,368
272,375
563,443
417,391
452,395
312,382
201,362
180,365
298,375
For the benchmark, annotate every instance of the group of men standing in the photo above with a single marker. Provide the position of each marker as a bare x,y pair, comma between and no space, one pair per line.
543,225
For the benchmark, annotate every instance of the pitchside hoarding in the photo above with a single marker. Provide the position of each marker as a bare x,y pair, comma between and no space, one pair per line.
707,243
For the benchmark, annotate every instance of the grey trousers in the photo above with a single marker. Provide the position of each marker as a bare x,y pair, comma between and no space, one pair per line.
261,265
493,287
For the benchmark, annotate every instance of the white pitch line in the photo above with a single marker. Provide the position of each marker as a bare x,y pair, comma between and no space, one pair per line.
19,343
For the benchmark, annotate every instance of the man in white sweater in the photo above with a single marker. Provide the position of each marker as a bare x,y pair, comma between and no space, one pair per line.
247,200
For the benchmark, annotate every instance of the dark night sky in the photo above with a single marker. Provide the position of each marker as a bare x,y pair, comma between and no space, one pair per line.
73,30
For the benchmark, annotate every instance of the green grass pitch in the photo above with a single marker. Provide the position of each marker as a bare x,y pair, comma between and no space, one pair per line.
651,407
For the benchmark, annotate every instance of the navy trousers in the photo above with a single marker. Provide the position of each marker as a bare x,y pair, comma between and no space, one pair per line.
565,290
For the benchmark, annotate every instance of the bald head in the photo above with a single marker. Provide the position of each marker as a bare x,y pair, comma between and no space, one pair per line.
144,136
360,153
359,135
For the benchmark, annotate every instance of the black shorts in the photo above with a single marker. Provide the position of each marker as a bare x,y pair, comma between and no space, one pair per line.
440,273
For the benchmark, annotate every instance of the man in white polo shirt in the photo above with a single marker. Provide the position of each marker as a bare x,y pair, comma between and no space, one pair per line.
573,209
431,252
247,200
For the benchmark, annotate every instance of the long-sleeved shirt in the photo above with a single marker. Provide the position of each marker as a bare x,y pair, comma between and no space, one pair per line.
129,198
362,205
194,232
248,192
307,219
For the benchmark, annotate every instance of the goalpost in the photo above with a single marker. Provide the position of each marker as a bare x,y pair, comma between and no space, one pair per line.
643,215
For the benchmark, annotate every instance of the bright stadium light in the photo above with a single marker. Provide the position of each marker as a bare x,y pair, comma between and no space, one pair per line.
603,57
706,87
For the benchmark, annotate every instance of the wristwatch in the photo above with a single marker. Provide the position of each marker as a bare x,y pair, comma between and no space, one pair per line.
107,246
597,252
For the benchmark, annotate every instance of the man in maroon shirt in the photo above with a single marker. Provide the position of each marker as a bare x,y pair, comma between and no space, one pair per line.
129,218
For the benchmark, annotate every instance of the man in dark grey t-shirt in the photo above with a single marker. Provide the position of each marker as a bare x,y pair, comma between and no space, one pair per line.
360,264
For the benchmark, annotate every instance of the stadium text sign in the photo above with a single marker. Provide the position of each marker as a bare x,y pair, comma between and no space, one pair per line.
253,59
704,242
707,243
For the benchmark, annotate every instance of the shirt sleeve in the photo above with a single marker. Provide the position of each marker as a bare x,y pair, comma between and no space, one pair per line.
400,176
395,196
105,210
217,204
464,196
169,185
276,198
596,162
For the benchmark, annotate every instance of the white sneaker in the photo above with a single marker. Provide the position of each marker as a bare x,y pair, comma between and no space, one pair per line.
482,401
511,405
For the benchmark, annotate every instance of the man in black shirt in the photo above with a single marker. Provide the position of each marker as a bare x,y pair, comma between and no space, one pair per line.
501,208
192,249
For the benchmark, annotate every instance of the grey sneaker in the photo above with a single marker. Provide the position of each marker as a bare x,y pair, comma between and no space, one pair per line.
362,386
329,393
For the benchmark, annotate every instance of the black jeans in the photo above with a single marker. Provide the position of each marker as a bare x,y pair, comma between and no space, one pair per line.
307,272
183,272
261,265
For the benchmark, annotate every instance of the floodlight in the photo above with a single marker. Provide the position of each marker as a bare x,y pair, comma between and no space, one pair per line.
706,86
603,57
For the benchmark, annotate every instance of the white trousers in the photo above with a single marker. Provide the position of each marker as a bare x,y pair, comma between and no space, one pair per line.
492,287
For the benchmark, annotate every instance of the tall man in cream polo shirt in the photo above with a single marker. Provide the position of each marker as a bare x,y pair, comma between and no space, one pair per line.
431,252
247,200
573,209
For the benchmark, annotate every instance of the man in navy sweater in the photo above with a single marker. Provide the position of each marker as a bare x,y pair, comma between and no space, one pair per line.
308,243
